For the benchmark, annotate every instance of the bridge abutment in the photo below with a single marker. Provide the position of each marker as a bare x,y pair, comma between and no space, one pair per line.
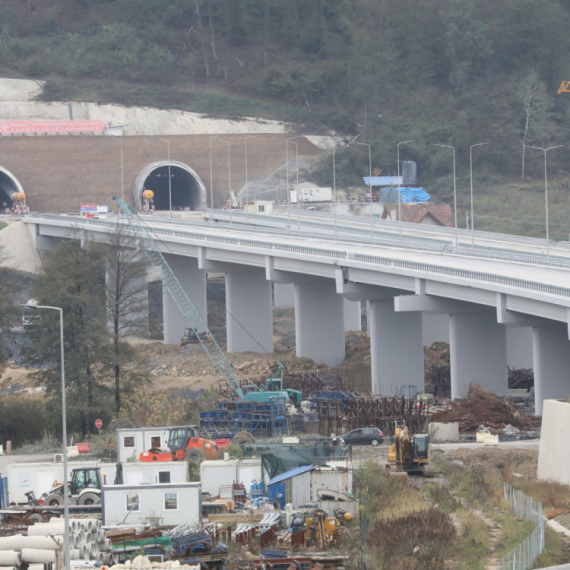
194,282
551,355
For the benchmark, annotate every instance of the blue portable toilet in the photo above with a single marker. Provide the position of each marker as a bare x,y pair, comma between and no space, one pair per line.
281,485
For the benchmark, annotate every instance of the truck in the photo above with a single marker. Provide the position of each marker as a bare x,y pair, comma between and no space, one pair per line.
316,194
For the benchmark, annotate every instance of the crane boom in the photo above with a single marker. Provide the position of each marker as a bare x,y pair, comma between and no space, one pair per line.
184,303
564,87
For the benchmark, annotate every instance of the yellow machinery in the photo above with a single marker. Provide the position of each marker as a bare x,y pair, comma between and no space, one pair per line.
564,87
324,530
410,454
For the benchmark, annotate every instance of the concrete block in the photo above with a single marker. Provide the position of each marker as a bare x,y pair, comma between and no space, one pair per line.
480,437
489,439
554,451
439,432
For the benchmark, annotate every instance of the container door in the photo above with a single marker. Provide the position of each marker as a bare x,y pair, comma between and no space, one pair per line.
134,478
45,482
246,476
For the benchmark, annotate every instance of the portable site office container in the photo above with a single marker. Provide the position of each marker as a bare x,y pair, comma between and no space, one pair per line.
152,473
299,486
218,473
39,477
179,503
131,442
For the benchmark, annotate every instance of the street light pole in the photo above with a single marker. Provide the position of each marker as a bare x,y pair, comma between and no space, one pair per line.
454,188
297,166
334,189
246,179
545,150
211,175
169,177
229,178
400,188
369,187
471,178
64,436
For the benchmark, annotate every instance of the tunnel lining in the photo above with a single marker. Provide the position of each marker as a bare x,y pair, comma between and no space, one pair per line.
9,184
188,190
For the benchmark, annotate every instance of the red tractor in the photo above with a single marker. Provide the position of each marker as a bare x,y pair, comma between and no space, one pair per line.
183,443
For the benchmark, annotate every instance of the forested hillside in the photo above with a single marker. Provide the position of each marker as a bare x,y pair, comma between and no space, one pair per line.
457,72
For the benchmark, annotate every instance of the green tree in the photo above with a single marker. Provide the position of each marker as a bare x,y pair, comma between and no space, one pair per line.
72,280
467,44
8,310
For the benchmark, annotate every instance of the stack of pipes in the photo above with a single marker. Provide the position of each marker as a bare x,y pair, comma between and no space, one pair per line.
43,547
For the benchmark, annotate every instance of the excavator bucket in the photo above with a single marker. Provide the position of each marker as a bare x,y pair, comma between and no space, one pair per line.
402,475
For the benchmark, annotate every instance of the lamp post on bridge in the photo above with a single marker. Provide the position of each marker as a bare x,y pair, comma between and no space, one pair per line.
545,150
400,187
471,178
211,175
246,179
287,141
454,188
169,176
229,178
369,186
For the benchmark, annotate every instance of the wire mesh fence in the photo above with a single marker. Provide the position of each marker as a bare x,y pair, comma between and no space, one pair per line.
523,556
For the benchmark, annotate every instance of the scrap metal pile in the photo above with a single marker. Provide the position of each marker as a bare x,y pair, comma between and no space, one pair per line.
343,411
310,381
521,378
482,408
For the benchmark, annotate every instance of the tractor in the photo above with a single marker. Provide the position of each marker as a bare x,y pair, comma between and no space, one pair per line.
84,488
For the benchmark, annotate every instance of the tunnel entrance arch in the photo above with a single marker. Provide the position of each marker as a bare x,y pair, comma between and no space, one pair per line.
9,186
188,190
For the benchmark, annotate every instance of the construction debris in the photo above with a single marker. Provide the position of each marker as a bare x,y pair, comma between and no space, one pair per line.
482,408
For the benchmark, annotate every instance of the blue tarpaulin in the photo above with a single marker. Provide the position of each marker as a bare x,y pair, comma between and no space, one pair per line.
407,195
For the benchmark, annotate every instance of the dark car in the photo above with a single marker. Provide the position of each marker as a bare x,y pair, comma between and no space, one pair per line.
363,436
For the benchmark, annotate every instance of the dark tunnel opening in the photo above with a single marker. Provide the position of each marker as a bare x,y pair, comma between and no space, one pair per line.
186,192
7,187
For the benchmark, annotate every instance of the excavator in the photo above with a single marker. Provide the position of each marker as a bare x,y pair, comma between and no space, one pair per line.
409,454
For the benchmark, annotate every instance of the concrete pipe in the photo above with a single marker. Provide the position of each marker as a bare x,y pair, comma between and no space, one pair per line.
108,545
101,536
35,555
36,567
74,554
10,558
107,558
82,552
41,529
79,538
115,558
94,550
9,568
39,542
88,537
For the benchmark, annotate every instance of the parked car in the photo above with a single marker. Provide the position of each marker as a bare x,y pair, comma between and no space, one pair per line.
363,436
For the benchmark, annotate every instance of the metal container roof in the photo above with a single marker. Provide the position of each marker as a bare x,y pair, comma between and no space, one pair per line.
292,473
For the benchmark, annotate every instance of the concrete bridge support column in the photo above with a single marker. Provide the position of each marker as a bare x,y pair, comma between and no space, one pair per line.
551,354
519,347
352,315
249,311
194,283
319,322
478,353
284,295
435,328
396,347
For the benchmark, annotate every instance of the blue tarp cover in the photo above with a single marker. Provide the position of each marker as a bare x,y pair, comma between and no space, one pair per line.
407,195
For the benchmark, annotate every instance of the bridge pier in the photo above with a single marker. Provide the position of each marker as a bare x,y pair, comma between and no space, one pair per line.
352,315
551,355
284,295
249,311
396,348
319,322
194,282
478,353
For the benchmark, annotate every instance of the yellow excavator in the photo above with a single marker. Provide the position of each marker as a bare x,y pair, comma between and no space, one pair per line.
564,87
409,454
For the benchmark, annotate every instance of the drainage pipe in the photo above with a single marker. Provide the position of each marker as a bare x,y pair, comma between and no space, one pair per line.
35,555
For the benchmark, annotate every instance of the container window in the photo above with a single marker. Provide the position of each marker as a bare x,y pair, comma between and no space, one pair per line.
155,441
164,476
170,501
129,441
133,502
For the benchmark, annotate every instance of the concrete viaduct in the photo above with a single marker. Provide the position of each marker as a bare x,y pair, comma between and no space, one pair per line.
498,288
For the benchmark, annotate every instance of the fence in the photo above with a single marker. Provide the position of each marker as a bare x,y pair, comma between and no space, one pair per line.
524,555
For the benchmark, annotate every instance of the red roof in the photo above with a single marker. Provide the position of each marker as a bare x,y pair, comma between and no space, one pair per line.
415,213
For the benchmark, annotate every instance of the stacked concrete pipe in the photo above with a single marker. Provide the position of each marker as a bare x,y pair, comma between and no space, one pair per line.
43,547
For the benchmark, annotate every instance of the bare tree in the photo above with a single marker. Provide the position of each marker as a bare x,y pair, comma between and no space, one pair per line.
533,96
126,300
201,34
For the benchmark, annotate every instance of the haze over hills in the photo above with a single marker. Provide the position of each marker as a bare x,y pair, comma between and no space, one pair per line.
436,71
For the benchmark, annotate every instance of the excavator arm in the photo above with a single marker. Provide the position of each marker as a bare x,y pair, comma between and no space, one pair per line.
564,87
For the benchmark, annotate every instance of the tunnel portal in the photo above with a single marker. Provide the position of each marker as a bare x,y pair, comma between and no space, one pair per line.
8,187
187,189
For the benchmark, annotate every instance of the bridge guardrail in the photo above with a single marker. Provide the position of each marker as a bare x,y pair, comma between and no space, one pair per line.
341,254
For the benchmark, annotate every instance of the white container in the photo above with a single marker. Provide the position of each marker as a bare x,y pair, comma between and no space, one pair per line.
217,473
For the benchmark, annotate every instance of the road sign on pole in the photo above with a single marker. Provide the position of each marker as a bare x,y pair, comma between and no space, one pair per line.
98,424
